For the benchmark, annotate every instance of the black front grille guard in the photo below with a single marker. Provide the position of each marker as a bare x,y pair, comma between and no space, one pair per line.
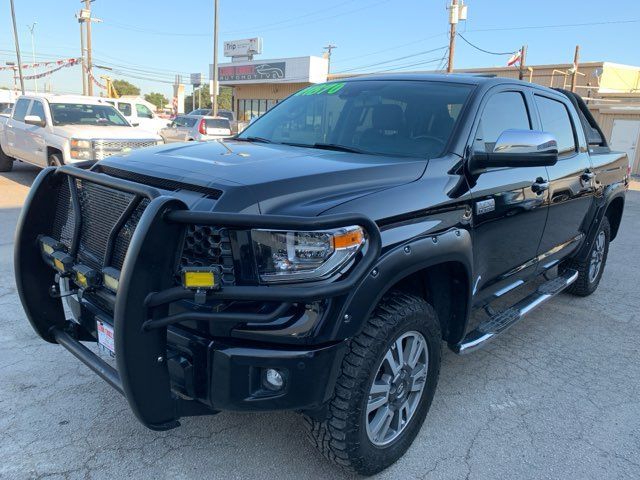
147,287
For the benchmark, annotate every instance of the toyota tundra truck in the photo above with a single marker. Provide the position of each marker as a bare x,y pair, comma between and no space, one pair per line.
319,261
47,130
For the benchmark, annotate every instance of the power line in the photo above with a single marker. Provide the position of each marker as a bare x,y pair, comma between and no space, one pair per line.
482,49
361,67
560,25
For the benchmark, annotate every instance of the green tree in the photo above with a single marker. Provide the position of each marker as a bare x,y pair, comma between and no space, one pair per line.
224,99
158,99
125,88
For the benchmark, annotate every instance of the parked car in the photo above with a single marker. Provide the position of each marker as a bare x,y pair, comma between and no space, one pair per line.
318,261
139,113
187,128
56,129
228,114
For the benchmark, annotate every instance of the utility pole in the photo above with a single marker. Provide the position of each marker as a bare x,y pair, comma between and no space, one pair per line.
87,6
574,78
214,86
329,48
33,54
523,57
457,12
15,36
83,65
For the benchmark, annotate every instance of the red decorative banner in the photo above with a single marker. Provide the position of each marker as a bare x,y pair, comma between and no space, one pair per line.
70,62
62,62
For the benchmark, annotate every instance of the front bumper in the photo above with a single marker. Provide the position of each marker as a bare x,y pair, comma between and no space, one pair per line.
164,371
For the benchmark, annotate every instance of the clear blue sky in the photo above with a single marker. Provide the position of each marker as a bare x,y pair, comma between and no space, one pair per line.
156,39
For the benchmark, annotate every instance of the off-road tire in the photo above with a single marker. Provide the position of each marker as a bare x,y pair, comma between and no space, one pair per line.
55,160
583,286
339,430
6,162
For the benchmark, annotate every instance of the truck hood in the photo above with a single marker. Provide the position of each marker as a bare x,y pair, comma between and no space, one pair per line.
271,178
89,132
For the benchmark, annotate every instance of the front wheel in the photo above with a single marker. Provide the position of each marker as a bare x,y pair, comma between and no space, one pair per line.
55,160
6,162
385,388
591,268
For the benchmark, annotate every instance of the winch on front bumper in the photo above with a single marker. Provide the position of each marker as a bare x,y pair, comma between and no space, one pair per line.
115,240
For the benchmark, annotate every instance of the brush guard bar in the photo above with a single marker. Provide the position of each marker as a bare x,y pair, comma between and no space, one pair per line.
147,287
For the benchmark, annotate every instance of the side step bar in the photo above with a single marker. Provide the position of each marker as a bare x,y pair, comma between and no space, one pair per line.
502,321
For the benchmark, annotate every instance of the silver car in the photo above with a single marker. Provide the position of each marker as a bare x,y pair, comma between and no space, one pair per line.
200,128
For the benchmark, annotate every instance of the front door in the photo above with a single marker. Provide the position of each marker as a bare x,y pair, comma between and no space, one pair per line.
509,212
571,181
624,138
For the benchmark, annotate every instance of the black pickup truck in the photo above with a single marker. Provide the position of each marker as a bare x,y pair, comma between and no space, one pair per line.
318,261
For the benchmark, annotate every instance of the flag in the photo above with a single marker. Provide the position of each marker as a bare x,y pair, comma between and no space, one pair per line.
515,58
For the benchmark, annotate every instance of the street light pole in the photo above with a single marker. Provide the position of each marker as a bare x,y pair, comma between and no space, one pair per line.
33,55
15,36
214,87
82,60
89,60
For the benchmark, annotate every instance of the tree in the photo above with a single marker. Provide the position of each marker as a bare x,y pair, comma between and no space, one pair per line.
158,99
125,88
224,99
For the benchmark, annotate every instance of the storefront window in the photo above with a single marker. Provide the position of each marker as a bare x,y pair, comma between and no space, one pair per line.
250,108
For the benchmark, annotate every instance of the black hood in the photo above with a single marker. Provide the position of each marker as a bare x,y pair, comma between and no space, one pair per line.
272,178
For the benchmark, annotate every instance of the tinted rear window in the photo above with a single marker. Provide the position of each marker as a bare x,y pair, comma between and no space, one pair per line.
217,123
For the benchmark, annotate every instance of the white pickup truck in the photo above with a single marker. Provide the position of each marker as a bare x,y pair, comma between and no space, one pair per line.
56,129
139,113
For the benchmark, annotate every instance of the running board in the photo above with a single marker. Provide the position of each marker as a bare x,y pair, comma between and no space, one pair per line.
502,321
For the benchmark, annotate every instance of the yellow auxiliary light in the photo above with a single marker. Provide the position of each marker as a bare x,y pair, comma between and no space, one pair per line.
111,278
62,261
48,245
86,277
199,278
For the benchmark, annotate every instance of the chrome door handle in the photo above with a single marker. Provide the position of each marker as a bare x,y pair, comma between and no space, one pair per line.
540,186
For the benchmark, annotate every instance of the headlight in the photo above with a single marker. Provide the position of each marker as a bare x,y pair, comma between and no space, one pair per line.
284,256
81,149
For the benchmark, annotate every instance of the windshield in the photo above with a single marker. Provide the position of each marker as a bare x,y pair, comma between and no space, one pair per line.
86,114
403,118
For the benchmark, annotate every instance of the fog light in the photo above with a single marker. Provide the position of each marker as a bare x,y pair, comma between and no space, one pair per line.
48,245
273,379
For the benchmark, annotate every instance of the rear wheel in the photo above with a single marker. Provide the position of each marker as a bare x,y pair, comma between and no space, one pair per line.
590,270
6,162
385,388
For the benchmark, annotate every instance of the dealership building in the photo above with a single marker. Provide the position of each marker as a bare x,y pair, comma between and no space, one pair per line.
260,84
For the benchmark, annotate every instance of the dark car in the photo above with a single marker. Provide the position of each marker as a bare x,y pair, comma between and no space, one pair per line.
319,261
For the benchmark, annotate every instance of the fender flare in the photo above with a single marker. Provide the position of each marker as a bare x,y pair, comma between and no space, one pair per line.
610,193
405,259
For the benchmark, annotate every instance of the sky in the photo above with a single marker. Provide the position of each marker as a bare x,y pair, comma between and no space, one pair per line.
148,42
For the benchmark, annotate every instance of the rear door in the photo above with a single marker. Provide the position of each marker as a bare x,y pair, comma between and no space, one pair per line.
571,180
509,212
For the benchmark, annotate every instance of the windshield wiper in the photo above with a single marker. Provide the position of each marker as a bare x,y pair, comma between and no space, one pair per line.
326,146
254,139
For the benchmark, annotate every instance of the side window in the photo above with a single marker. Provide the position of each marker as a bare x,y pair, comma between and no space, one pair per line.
503,111
37,109
20,110
143,111
179,122
125,108
555,120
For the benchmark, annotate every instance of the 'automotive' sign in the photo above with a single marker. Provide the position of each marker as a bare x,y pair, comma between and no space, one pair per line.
258,71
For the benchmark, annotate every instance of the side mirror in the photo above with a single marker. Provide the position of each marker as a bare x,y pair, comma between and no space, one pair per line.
135,124
34,120
517,148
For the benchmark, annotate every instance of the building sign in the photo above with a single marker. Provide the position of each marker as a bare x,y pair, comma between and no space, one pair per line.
196,79
257,71
243,48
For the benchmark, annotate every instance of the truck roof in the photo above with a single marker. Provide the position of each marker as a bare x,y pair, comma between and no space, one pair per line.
462,78
66,98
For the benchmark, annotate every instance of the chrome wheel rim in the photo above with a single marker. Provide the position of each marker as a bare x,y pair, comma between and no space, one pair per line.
597,257
397,388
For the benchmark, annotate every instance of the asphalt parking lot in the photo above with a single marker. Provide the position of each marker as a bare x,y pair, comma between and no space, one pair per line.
558,397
